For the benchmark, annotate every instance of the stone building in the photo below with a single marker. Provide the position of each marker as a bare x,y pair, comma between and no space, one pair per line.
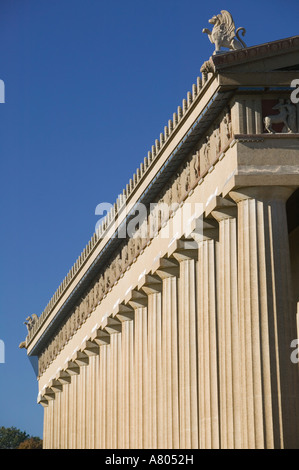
178,334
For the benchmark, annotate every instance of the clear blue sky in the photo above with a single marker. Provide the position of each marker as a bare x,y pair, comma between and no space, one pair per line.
89,87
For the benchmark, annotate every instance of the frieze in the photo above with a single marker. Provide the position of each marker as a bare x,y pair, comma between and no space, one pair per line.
216,142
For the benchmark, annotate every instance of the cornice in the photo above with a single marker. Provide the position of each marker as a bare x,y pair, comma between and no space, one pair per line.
248,54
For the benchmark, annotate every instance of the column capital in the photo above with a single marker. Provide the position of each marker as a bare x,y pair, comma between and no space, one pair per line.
72,368
90,348
164,267
111,325
150,284
63,377
55,386
100,337
262,193
49,394
80,358
42,400
123,312
183,249
136,298
221,209
204,228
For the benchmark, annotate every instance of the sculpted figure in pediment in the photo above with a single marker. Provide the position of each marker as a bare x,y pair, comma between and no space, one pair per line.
287,116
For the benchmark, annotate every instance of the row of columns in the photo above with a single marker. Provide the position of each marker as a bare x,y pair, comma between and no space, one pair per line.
198,354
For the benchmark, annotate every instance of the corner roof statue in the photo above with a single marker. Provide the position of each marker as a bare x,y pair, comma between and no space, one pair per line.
224,32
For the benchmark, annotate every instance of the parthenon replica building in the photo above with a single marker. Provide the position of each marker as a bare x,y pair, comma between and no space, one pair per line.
173,329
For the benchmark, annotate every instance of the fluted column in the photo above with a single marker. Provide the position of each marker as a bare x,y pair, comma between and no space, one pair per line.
49,395
79,362
91,349
101,338
115,391
186,254
51,424
138,301
97,437
141,382
152,287
57,421
270,390
73,419
61,384
91,409
46,427
125,314
112,326
64,415
206,234
168,271
225,212
70,377
129,428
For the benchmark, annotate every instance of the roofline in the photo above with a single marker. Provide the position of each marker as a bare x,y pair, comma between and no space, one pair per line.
252,53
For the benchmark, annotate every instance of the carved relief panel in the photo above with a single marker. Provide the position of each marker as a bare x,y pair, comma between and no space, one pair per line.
216,141
280,116
265,113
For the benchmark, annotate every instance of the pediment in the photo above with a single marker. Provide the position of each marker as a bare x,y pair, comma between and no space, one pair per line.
281,55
